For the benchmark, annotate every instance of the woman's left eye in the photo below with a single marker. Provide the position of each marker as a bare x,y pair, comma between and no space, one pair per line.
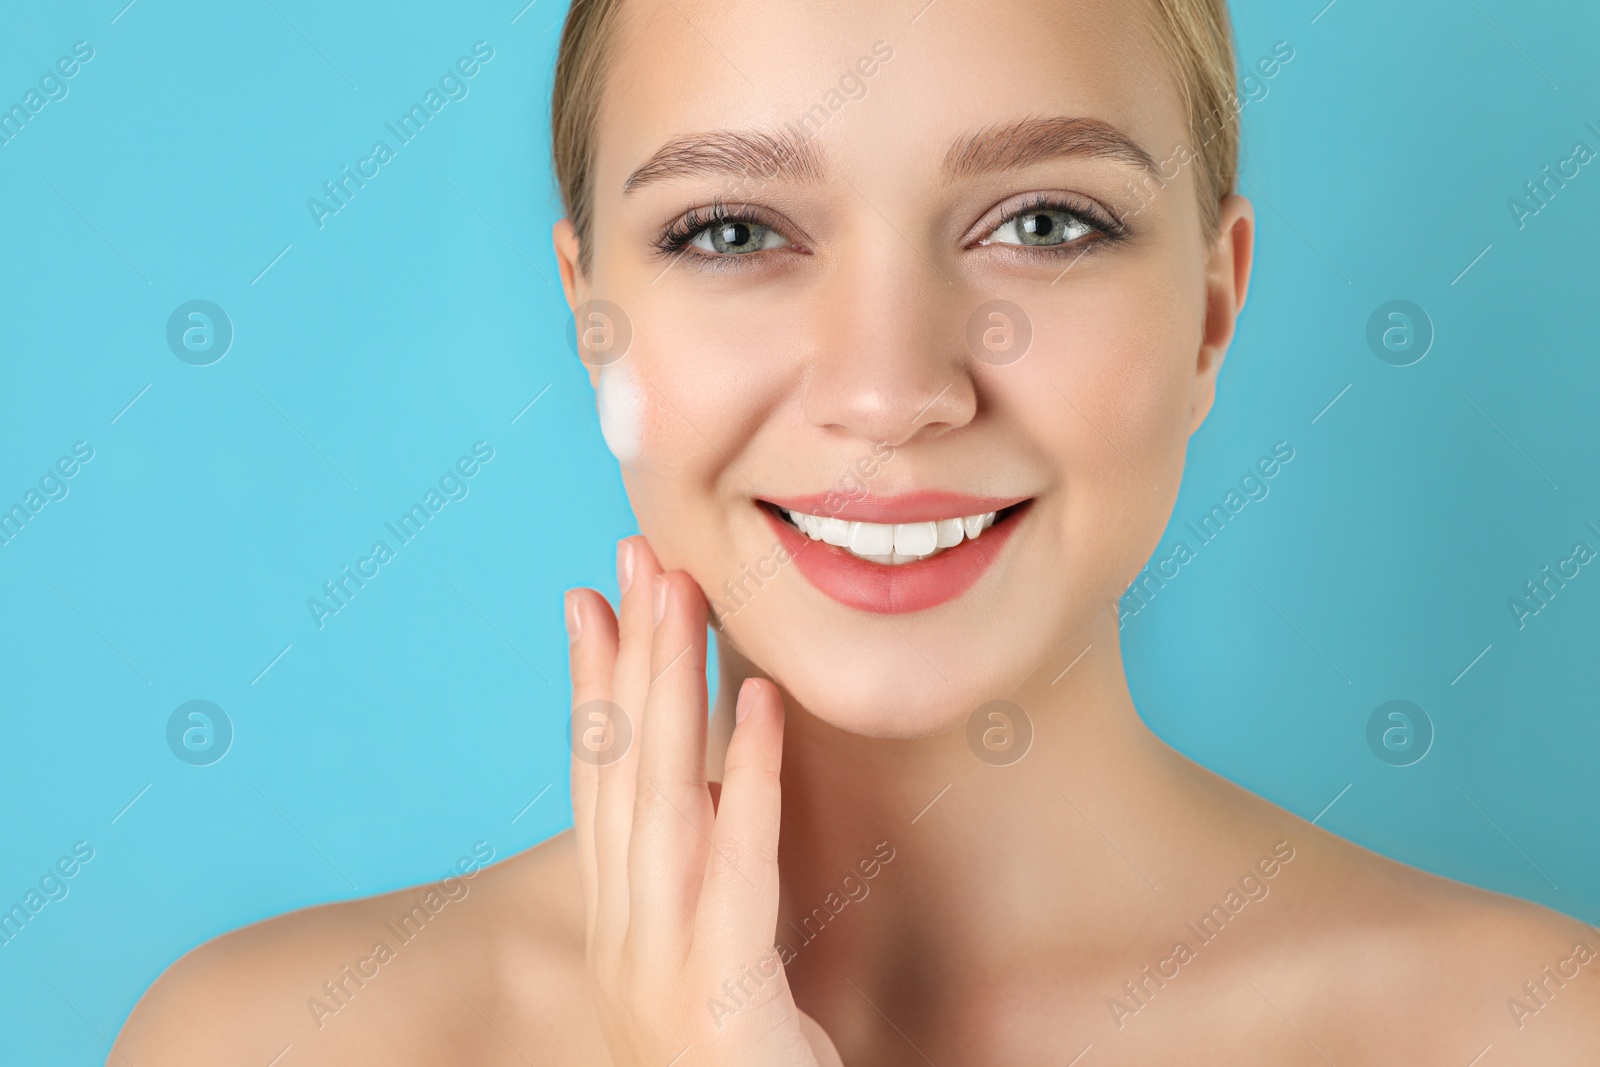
1040,227
734,237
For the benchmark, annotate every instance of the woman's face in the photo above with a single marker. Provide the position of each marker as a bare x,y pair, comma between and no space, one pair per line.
890,270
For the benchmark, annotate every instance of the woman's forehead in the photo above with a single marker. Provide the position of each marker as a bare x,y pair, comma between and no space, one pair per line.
876,78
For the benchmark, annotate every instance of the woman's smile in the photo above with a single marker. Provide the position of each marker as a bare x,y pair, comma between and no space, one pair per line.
894,554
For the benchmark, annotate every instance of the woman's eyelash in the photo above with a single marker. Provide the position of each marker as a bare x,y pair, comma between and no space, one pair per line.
1107,225
678,236
681,233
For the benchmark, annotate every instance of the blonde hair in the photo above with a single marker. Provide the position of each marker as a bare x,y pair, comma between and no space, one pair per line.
1198,39
1196,36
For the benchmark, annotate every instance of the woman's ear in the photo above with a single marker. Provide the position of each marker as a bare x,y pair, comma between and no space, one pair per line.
1227,282
573,283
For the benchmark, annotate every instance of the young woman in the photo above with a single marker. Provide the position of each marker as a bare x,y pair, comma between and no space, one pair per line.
900,321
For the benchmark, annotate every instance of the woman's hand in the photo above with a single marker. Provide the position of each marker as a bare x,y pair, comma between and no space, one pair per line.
681,892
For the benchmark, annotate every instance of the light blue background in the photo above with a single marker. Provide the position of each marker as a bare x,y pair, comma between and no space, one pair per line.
423,318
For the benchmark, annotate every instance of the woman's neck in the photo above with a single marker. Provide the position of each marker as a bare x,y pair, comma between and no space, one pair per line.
1062,850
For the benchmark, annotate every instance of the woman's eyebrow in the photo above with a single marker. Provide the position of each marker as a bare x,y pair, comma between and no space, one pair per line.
761,156
756,155
1034,140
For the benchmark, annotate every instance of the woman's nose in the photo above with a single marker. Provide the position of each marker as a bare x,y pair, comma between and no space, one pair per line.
890,361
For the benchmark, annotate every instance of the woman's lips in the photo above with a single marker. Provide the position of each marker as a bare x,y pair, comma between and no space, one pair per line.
893,589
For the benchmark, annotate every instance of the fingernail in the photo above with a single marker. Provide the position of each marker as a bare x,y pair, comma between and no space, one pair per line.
660,598
624,565
741,706
574,620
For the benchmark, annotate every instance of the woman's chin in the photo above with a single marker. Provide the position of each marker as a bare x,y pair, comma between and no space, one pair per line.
889,715
886,698
876,679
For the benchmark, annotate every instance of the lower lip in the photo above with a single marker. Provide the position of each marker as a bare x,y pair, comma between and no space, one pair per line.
898,588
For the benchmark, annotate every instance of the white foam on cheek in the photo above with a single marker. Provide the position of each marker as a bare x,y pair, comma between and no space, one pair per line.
620,403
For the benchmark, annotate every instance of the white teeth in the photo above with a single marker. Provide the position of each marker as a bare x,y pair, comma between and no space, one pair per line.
915,538
892,544
871,539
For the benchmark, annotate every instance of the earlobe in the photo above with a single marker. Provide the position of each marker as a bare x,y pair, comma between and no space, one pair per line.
567,247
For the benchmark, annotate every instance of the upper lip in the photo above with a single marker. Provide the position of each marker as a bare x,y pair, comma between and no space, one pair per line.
924,506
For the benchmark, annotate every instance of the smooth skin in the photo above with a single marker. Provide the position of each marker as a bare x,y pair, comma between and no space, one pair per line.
1021,900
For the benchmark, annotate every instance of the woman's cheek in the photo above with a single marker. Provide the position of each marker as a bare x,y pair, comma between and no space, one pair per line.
661,424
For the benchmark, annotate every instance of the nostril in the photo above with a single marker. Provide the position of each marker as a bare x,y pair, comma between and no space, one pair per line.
889,393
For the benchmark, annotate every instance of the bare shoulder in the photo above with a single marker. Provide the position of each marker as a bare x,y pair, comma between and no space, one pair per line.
1393,964
483,966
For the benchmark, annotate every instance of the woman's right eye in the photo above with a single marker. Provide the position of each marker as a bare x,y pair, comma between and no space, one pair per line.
735,237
